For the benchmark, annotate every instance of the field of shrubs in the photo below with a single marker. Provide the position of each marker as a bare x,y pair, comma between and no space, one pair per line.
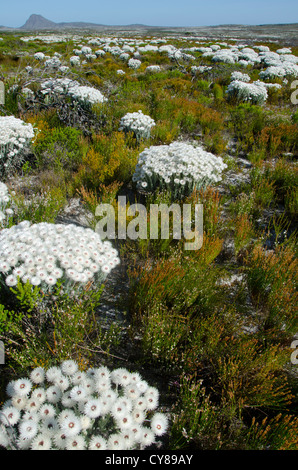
123,344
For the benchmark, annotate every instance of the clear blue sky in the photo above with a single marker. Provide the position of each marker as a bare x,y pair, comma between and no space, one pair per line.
14,13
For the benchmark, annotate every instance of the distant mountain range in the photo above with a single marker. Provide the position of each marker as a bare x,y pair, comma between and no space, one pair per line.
276,31
38,23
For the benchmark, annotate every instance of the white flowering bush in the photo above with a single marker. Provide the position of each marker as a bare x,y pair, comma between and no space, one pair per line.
255,92
65,86
138,123
62,408
177,167
39,56
44,253
242,77
153,68
280,71
74,60
134,63
15,140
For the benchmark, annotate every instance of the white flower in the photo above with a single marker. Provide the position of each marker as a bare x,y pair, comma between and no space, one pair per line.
179,167
134,63
159,424
37,375
93,408
69,367
97,443
9,415
71,425
28,429
41,442
22,387
75,443
138,123
116,442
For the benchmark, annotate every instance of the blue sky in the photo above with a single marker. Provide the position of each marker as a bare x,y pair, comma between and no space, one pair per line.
14,13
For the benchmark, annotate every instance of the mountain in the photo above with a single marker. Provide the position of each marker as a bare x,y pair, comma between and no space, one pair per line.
36,22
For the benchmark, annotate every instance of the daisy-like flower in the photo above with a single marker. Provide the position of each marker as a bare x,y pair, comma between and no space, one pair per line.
32,405
53,394
75,443
125,422
86,422
121,377
97,443
39,395
41,442
138,416
69,367
22,387
10,415
47,411
116,442
50,426
71,425
142,385
140,404
159,424
62,383
92,408
128,438
53,373
60,439
19,402
78,393
147,437
78,377
28,429
152,397
10,390
132,392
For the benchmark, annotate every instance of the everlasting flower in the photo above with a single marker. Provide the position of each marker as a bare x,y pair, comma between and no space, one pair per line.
28,429
41,442
22,387
83,416
138,123
165,166
97,443
37,375
56,258
159,424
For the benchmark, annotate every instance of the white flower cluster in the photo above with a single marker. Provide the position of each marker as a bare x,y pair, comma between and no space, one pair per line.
280,71
138,123
72,88
255,92
39,56
62,408
153,68
242,77
200,69
134,63
43,253
5,210
15,138
178,167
